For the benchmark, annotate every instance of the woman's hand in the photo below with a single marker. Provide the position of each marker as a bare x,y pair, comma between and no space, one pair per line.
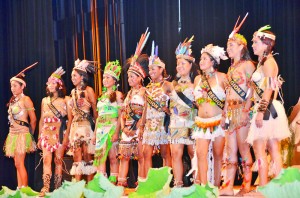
115,137
39,144
259,119
245,118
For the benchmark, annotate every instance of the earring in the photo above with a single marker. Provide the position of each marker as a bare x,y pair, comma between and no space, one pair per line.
265,54
82,84
114,87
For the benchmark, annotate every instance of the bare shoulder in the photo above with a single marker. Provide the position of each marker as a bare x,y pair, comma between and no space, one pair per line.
270,67
249,66
222,75
119,95
67,98
90,89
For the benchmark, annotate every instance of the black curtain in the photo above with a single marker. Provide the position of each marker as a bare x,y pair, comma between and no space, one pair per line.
27,37
43,31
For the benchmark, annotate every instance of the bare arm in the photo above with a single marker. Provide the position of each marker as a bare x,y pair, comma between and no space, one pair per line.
118,127
41,118
31,113
92,100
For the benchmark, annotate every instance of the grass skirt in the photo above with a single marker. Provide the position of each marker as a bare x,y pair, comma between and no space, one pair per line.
19,143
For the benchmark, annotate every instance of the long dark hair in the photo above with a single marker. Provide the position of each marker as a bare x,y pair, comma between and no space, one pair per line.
193,73
270,45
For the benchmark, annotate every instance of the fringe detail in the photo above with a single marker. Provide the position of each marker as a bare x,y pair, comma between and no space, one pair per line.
128,150
19,143
185,141
83,168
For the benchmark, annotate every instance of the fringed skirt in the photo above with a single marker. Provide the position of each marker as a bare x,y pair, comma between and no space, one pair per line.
154,132
20,143
208,128
272,129
81,133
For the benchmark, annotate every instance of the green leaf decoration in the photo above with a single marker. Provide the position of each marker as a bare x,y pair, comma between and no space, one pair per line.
286,184
157,184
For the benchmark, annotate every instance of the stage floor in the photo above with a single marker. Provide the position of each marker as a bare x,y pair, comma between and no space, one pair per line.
236,190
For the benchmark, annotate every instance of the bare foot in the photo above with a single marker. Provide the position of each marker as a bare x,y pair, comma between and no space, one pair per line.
242,192
226,192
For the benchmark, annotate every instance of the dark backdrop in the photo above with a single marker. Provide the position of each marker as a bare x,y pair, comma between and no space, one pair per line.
34,30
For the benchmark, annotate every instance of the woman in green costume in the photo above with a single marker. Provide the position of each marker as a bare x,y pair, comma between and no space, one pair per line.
108,124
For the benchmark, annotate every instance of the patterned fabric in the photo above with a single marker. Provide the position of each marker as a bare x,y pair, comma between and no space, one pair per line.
182,118
50,134
154,132
80,131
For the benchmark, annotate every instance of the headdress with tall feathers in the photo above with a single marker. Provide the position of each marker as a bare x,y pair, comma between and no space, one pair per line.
215,51
259,33
135,67
234,34
85,66
184,50
154,59
56,77
19,77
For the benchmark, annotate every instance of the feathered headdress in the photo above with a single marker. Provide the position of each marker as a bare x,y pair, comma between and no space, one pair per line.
113,68
21,75
215,51
234,34
184,50
56,77
259,33
85,66
135,67
154,59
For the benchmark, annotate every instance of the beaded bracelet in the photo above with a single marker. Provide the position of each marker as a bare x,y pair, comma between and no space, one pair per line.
263,105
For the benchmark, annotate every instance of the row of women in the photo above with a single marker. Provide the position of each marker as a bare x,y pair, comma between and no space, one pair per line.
203,108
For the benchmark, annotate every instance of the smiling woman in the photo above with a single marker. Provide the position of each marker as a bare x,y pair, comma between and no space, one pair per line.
20,140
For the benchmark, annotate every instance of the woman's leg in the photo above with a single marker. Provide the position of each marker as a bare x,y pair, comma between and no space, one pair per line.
21,169
244,149
77,158
141,165
201,152
114,163
218,148
176,153
47,171
165,152
58,160
275,152
88,159
230,164
123,171
259,147
147,153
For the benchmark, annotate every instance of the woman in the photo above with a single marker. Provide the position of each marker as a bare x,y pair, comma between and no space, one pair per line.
236,113
209,95
133,120
108,122
155,134
22,123
53,137
269,122
182,109
81,132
